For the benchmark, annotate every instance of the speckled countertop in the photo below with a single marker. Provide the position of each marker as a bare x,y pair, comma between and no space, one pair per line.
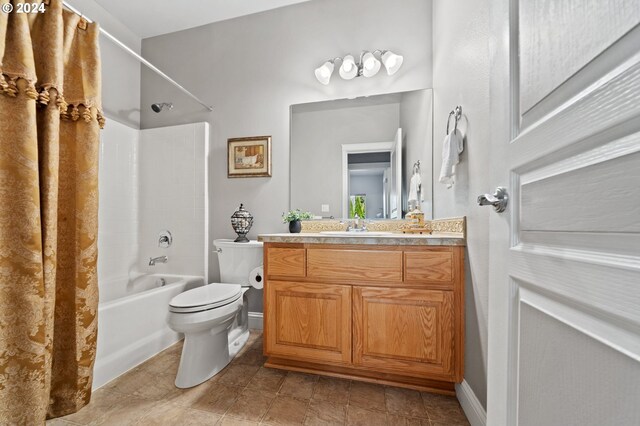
395,239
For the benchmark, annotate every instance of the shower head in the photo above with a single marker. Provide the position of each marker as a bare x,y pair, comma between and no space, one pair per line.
157,107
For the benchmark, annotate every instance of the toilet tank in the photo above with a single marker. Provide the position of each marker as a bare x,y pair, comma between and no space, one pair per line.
236,260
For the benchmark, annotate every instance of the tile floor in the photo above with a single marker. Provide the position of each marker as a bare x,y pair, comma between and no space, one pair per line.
245,393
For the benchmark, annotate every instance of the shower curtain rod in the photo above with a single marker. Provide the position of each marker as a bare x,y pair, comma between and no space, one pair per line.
140,58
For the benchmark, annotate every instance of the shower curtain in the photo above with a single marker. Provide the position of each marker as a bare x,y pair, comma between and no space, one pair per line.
50,116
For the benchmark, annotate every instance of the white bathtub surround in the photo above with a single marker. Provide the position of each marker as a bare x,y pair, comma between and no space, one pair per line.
172,196
132,325
150,181
118,205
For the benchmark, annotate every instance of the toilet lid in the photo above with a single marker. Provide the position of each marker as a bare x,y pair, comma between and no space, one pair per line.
205,297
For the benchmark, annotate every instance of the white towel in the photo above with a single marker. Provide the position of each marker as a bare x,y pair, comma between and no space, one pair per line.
414,187
451,149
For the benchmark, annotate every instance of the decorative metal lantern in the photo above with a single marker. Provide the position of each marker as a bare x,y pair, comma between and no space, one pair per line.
241,222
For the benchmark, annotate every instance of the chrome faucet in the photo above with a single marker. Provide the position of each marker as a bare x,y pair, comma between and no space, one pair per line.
159,259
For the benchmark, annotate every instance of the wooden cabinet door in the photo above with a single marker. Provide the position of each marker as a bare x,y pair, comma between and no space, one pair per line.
404,331
307,321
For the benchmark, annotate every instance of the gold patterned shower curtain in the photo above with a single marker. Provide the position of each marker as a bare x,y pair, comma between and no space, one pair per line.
50,116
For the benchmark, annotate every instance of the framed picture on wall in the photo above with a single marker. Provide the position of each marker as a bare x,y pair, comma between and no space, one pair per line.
249,157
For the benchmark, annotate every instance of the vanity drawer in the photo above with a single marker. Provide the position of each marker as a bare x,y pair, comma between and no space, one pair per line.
287,262
434,266
354,265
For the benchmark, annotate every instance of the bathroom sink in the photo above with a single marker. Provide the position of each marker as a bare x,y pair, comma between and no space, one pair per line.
355,233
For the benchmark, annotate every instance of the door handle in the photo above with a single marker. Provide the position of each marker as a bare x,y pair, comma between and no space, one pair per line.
498,200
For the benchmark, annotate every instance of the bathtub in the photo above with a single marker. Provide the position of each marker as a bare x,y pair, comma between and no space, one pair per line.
132,322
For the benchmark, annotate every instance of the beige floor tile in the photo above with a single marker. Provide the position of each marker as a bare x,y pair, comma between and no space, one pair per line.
217,398
444,409
357,416
130,381
367,395
325,413
332,389
267,379
286,410
187,397
257,345
166,362
145,384
238,375
395,420
98,409
171,414
175,349
231,421
404,402
245,394
251,405
251,357
58,422
299,385
127,412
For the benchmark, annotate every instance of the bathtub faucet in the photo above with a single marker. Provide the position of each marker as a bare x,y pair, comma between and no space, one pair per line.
159,259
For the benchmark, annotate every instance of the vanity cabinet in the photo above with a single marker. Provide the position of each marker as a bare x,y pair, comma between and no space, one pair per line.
404,331
387,314
309,321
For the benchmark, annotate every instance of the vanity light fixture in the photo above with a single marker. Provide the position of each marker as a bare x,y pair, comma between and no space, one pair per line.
368,65
323,72
349,68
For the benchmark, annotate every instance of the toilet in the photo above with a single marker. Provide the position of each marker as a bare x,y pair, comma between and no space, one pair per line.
214,318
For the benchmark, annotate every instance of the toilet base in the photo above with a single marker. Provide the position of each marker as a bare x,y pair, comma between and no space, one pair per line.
203,356
237,339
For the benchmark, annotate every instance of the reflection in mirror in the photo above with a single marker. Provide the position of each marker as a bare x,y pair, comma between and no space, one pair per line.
354,156
368,185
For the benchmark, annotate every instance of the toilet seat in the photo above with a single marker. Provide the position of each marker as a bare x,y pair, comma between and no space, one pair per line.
205,298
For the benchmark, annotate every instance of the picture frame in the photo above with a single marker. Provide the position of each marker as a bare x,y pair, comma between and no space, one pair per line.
249,157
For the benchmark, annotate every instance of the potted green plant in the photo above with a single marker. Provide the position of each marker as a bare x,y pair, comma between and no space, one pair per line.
293,217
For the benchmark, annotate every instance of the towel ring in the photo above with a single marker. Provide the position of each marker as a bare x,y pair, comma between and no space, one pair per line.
457,114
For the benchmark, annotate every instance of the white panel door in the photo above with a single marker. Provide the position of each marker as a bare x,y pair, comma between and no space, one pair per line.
564,299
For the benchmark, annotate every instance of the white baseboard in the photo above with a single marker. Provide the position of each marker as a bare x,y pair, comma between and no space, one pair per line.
472,407
255,320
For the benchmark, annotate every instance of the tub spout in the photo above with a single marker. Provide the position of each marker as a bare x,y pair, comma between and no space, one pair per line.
159,259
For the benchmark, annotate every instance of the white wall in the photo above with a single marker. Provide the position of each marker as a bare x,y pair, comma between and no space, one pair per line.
118,210
172,194
316,150
461,77
251,69
120,71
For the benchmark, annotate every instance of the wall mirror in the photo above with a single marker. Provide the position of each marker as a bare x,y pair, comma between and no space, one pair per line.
356,156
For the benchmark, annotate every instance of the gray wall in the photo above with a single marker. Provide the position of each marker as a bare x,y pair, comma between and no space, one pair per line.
251,69
461,77
120,71
416,120
316,150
